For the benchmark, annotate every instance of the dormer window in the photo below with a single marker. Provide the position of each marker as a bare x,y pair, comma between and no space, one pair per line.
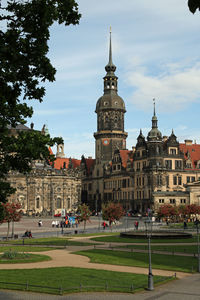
172,151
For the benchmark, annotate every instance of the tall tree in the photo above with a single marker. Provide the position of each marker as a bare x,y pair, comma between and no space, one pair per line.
194,5
24,67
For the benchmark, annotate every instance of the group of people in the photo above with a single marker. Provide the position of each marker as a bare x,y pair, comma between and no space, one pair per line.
67,223
28,234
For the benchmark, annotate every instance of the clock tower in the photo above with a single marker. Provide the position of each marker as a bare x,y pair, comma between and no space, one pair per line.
110,109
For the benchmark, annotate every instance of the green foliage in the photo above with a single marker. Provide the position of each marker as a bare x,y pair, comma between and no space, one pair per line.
24,36
194,5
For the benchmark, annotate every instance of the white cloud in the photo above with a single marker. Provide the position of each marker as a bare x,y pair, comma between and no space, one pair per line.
175,88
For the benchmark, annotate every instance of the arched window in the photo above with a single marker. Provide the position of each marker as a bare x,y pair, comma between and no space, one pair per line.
58,202
38,202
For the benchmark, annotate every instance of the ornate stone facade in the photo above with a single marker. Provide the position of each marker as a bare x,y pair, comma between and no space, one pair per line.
45,191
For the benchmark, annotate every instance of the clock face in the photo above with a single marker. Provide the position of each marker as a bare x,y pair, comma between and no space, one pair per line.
105,142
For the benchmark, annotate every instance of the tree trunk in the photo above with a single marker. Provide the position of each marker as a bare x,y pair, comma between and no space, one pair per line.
8,230
12,229
84,225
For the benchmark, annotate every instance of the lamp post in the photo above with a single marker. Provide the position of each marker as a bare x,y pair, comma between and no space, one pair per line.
149,226
197,225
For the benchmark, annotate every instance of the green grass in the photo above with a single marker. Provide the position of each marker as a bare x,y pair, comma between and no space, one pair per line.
24,258
118,239
25,248
159,261
47,241
70,279
171,248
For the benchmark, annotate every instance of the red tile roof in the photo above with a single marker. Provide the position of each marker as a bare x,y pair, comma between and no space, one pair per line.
89,163
59,163
193,150
125,155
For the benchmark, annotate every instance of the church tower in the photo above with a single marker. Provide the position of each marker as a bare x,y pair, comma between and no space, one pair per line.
110,109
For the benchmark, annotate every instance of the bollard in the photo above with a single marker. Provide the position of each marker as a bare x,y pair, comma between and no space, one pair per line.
27,285
175,275
132,287
106,286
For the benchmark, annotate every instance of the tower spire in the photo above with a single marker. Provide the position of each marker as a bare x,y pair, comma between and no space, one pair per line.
154,107
110,50
110,67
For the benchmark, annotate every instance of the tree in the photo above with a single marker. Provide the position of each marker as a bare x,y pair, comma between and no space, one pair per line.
194,5
85,214
167,210
12,213
112,212
24,35
192,209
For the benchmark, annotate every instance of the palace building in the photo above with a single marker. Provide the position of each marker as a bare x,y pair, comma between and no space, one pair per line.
157,170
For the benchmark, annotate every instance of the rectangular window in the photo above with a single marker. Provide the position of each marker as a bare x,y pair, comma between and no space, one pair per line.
167,180
172,201
175,180
173,151
193,179
179,180
161,201
188,179
159,179
168,164
178,164
183,201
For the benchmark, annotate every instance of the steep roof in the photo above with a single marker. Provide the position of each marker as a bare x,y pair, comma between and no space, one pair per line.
89,164
193,150
61,163
125,155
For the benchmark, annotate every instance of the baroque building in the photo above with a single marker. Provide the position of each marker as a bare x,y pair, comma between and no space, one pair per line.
158,170
48,188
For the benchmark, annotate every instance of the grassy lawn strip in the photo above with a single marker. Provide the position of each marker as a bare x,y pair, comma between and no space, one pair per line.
171,248
24,258
47,241
118,239
25,248
70,279
159,261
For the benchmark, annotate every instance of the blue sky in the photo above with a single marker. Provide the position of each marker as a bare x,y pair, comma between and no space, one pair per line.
157,53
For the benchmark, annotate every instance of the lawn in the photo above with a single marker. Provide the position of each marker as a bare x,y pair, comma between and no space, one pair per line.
159,261
25,248
21,257
169,248
55,241
118,239
70,279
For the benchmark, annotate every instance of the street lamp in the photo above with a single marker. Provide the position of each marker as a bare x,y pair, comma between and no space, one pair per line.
197,225
149,226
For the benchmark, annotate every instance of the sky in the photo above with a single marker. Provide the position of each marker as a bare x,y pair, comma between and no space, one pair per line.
156,50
